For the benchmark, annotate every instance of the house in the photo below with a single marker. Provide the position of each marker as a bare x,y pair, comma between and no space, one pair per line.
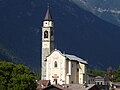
116,85
72,87
41,84
91,78
102,82
55,87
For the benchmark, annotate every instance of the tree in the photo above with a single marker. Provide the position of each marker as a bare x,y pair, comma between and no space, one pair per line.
97,72
16,77
117,74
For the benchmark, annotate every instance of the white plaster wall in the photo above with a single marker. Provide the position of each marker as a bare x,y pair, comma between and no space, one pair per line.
65,76
59,70
82,73
90,79
74,70
48,24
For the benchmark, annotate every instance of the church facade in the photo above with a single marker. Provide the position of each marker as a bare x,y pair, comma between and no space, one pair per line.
57,67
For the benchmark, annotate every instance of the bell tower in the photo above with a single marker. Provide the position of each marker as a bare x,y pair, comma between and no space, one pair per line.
47,40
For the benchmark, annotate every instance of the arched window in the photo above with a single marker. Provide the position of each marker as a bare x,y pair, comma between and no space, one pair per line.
46,34
55,64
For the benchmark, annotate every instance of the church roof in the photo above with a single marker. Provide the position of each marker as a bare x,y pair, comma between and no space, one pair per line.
75,58
42,84
48,14
70,57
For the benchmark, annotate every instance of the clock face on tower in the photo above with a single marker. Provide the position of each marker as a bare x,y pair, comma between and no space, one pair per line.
46,34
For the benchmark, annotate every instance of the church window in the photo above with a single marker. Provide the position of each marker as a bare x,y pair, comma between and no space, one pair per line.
46,34
55,64
72,82
89,81
72,65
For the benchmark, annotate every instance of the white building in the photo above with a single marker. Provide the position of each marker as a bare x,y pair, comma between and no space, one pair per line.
65,69
57,67
101,80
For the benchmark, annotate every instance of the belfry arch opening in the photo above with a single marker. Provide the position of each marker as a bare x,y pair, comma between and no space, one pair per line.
46,34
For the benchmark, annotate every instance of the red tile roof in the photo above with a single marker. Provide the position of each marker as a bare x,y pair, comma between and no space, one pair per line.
42,84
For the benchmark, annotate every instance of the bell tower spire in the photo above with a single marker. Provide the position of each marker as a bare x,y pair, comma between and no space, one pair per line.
47,40
48,14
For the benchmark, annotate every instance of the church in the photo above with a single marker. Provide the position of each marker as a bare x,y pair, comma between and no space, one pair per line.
58,67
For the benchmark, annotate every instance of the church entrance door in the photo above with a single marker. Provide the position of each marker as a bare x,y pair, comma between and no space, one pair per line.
55,80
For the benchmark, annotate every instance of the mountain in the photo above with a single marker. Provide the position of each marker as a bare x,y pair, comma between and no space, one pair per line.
6,55
108,10
77,31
